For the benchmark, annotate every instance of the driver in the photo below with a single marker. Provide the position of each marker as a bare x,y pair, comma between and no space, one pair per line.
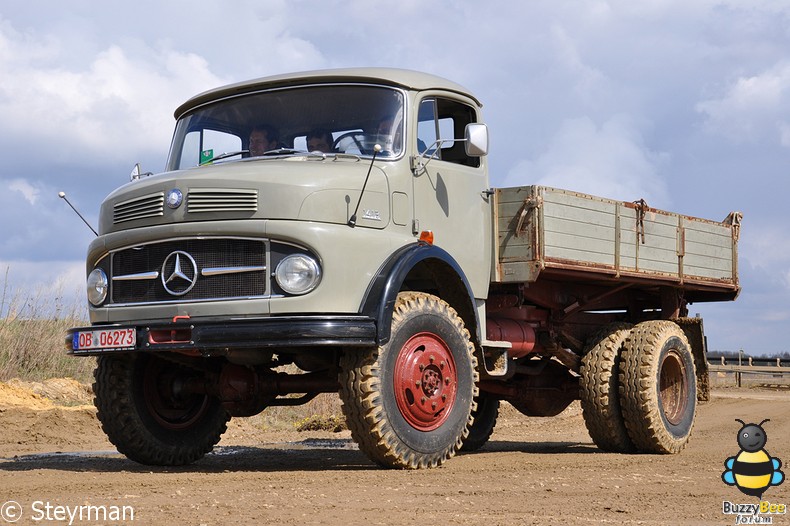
262,139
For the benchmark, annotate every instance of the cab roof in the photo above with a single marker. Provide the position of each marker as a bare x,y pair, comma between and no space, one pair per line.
402,78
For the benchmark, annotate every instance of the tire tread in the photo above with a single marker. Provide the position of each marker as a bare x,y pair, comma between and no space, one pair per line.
638,391
360,392
599,387
116,410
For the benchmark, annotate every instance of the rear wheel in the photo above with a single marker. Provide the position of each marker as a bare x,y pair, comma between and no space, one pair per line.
145,416
599,383
658,388
408,403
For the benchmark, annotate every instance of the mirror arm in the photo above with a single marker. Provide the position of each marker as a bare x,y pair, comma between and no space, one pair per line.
418,162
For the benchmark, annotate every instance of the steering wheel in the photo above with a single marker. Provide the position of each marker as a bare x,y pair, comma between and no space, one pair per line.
354,138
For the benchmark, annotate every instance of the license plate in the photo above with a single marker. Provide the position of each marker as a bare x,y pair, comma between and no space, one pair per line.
105,339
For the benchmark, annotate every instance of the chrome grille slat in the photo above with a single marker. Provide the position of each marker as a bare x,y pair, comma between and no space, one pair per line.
151,205
217,271
222,200
137,277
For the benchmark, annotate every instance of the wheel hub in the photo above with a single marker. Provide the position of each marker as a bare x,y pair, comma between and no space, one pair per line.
172,410
673,390
426,381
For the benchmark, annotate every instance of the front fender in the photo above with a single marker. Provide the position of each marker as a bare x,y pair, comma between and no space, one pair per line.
401,272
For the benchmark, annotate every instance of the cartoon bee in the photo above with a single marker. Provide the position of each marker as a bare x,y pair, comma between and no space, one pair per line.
752,470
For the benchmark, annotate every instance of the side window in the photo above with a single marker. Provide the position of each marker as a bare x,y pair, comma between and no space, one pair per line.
445,119
426,126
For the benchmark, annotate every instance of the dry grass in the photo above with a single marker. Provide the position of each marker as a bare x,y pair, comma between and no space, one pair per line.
32,335
323,413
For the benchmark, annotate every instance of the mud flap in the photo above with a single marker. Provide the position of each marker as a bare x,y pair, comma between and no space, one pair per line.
693,329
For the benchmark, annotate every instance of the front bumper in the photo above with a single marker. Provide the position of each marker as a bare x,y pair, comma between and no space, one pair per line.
215,337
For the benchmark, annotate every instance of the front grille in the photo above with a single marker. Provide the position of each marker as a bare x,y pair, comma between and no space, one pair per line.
221,200
237,268
151,205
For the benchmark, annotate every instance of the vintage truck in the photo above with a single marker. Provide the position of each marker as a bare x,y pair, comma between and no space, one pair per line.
382,265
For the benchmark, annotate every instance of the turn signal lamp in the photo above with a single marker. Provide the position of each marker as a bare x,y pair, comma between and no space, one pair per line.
426,236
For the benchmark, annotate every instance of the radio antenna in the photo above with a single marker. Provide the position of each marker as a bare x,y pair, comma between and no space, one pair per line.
62,195
353,221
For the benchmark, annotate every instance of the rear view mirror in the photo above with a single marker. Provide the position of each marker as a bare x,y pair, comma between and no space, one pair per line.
136,172
476,140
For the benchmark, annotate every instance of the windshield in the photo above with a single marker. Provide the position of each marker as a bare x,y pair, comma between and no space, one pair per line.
332,119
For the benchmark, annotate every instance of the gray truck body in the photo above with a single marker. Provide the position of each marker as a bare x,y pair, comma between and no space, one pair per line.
357,263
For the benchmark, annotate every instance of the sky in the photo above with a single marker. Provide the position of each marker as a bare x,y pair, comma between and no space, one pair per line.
684,104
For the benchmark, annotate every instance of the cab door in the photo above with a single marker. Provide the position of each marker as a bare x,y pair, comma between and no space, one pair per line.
450,188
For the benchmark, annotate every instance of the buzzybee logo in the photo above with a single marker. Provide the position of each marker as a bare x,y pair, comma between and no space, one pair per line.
752,470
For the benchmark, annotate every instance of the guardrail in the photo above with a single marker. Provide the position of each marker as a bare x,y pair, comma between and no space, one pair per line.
775,367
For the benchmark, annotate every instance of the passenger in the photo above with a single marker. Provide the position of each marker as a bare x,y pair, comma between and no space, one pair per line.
263,139
320,140
388,138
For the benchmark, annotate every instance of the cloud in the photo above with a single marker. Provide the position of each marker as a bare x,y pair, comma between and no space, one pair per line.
118,103
753,108
765,260
610,160
29,192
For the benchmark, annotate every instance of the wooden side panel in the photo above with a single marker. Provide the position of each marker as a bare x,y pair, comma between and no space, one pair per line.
516,235
539,227
657,251
709,250
578,228
513,247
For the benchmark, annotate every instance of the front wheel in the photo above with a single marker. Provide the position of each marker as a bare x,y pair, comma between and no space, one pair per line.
658,387
408,403
146,417
485,417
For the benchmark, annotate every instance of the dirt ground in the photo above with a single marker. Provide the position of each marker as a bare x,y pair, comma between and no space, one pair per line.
533,471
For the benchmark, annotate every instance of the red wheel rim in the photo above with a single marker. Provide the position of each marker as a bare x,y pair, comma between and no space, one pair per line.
673,390
426,381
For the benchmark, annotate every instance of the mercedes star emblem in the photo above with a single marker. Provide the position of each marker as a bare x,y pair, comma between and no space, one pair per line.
174,198
179,273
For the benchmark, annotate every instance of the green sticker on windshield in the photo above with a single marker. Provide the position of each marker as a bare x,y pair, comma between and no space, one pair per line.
206,156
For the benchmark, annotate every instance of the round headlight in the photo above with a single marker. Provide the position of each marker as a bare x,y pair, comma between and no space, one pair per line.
297,274
97,287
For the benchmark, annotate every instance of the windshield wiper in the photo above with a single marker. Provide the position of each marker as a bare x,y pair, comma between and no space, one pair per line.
224,156
283,151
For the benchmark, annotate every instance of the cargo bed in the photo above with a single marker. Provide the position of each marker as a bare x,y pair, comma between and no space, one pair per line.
543,232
